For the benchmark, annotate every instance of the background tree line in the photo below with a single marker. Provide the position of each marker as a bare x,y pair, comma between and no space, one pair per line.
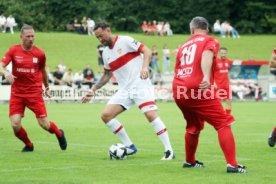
248,16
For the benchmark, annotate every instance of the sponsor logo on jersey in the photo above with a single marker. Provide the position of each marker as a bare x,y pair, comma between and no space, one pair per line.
25,70
182,73
35,60
19,57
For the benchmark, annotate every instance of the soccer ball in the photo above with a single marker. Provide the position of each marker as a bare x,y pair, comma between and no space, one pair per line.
117,152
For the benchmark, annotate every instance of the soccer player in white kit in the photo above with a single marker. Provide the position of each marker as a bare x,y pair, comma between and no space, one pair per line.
123,58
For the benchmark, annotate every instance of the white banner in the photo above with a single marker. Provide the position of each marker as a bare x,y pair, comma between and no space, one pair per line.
74,94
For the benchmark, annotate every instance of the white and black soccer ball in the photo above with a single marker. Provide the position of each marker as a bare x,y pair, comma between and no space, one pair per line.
117,152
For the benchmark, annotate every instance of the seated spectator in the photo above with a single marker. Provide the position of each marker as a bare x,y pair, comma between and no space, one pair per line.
252,85
225,29
77,26
167,29
50,76
217,28
58,77
233,31
68,78
10,24
89,78
84,25
238,87
90,26
62,67
78,79
153,28
160,28
144,28
3,21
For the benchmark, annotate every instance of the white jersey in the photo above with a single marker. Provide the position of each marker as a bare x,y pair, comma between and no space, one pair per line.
125,61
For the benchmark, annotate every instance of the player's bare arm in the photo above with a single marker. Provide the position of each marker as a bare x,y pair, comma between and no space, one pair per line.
102,81
10,78
45,82
145,68
206,65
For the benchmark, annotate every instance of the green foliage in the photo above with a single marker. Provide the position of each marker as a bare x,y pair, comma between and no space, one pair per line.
248,16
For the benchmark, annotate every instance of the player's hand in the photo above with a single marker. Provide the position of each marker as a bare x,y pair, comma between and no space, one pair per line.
88,96
144,74
9,77
205,84
47,92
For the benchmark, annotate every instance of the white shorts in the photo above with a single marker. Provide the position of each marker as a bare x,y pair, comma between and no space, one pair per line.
142,97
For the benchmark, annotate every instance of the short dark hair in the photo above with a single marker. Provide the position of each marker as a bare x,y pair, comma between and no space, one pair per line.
223,48
102,25
199,23
25,27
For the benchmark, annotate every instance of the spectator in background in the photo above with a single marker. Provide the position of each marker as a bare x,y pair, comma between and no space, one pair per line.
100,49
154,59
167,29
84,25
233,31
160,28
68,78
90,26
157,79
58,77
153,27
252,85
166,59
10,24
78,79
77,26
217,29
273,63
3,21
144,28
89,78
225,29
238,87
62,67
88,67
50,75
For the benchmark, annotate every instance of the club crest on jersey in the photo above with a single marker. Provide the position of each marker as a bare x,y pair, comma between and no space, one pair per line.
35,60
119,51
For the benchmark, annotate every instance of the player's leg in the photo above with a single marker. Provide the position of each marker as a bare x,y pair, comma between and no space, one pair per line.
194,125
17,108
272,138
37,105
228,101
117,104
214,114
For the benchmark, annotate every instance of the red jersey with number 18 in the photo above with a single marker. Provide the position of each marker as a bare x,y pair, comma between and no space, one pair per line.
26,67
188,73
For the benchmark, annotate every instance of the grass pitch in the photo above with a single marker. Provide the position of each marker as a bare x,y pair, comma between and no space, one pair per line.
86,160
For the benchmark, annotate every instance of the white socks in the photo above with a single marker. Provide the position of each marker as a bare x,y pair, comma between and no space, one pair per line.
117,128
162,133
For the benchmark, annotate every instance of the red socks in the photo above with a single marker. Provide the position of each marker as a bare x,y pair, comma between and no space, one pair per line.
227,144
23,136
191,142
54,129
274,130
228,111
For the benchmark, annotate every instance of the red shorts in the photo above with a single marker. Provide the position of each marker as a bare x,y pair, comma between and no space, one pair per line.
35,104
224,93
197,111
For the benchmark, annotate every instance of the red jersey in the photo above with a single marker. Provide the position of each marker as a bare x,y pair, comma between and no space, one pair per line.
26,67
188,73
221,74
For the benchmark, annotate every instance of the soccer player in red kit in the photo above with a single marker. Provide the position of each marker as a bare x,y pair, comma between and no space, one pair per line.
28,74
221,77
195,97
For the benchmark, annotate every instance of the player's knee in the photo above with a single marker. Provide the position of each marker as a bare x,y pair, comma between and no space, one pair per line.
151,115
43,122
107,116
15,125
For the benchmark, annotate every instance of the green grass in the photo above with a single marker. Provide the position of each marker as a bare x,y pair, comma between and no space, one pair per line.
86,160
78,50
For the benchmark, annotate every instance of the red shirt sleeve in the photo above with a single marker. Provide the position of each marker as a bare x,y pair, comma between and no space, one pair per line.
212,45
8,57
42,61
